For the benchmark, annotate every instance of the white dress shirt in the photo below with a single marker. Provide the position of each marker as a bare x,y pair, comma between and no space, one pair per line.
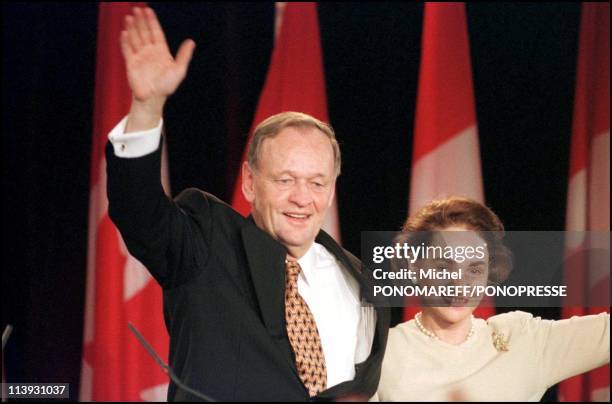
346,327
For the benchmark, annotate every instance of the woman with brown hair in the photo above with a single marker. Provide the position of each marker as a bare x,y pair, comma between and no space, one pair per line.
445,353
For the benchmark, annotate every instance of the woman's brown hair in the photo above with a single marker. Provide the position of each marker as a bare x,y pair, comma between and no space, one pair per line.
457,211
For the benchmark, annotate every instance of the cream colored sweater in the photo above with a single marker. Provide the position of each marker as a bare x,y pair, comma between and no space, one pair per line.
540,354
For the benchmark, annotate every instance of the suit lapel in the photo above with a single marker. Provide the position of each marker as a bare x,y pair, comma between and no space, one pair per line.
266,258
330,244
362,276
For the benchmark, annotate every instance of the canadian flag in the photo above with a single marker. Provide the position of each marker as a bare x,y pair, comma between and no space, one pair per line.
295,82
588,197
119,289
446,155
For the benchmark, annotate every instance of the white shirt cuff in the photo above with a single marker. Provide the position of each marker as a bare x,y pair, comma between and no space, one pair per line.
134,144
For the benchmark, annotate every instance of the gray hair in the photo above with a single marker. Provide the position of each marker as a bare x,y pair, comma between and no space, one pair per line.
271,126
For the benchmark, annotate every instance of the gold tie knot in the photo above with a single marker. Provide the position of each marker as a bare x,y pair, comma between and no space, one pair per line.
293,268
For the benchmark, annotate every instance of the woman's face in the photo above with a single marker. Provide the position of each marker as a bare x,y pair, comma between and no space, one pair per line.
460,274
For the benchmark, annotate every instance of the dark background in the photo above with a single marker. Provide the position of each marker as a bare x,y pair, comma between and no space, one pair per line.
524,65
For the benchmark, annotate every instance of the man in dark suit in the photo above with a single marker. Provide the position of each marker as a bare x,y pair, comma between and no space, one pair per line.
264,308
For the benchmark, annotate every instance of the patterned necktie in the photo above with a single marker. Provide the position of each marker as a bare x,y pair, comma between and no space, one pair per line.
303,334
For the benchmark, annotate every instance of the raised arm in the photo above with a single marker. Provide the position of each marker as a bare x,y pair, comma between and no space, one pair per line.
153,74
165,235
573,346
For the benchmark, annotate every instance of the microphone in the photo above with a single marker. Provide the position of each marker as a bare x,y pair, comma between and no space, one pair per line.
6,334
166,369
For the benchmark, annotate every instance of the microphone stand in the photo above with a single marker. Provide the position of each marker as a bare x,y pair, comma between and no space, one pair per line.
165,368
5,336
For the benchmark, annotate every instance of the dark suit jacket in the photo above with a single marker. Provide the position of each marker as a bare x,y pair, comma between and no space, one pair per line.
223,288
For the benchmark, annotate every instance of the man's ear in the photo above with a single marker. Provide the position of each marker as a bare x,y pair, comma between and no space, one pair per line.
333,193
248,182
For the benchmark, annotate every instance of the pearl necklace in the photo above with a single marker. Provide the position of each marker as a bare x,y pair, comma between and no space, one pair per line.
432,335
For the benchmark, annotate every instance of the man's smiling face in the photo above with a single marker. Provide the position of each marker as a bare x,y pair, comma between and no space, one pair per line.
292,186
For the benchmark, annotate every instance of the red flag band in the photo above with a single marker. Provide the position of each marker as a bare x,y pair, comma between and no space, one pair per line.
119,289
588,197
446,156
295,82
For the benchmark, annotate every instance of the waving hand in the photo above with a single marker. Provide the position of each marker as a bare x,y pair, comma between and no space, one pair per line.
153,73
